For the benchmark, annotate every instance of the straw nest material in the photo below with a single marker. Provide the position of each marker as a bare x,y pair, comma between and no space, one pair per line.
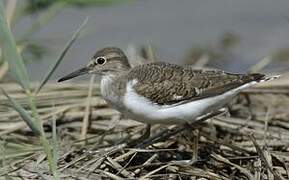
250,141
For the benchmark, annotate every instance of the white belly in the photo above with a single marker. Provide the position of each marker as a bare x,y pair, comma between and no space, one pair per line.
141,109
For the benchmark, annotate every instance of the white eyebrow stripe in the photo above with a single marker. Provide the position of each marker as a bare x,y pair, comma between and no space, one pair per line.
112,55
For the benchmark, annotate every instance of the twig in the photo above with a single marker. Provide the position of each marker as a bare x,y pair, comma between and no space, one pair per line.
264,159
266,125
110,175
126,165
85,121
154,171
146,163
257,167
242,170
118,167
125,155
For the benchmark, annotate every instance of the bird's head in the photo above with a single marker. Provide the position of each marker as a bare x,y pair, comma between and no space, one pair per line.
107,61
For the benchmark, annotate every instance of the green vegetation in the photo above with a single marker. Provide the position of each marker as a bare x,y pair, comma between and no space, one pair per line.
19,73
36,5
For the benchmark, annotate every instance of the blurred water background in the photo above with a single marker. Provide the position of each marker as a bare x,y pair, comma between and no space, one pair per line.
236,34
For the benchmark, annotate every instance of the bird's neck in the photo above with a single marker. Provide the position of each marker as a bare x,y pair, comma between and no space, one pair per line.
106,82
112,89
111,85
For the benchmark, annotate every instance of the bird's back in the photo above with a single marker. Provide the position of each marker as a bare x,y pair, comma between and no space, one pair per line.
167,84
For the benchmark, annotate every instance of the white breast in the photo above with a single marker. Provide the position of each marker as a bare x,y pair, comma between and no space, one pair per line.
106,88
142,109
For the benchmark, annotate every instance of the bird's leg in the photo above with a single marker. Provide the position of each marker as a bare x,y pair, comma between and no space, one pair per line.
147,132
143,137
167,133
192,136
226,111
196,136
196,145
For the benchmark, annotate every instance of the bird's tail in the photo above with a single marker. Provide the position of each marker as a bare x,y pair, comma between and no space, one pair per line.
262,78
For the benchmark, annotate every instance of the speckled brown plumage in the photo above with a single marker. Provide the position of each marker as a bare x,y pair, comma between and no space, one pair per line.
161,83
167,84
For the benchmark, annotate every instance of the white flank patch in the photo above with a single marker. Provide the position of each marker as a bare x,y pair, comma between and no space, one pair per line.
142,109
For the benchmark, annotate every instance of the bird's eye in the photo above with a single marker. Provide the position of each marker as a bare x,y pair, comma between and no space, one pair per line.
101,60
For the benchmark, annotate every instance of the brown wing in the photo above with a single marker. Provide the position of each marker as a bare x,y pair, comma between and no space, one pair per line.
167,84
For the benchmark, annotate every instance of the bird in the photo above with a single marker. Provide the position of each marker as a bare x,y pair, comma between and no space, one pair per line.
161,92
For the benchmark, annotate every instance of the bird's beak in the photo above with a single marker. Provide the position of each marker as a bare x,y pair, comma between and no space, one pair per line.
74,74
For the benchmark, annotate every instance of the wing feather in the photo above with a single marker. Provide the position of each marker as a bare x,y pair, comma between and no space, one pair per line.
168,84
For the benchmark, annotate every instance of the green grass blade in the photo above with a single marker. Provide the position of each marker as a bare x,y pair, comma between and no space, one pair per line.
48,152
55,149
23,114
61,56
95,2
10,54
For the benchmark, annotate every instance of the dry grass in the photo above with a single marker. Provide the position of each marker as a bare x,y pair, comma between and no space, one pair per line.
250,143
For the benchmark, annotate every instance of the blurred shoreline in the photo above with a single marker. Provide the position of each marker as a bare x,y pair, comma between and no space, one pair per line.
171,27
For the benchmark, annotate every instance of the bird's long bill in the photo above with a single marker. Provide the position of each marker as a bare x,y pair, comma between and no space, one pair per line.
74,74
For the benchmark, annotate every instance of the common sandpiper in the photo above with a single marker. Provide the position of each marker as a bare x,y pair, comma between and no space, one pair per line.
161,92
